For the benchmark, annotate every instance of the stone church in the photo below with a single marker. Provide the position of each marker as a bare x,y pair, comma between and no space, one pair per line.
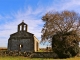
23,40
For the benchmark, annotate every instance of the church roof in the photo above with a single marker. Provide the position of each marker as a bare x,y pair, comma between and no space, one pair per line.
21,34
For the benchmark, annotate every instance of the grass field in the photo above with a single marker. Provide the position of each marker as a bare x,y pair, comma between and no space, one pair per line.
25,58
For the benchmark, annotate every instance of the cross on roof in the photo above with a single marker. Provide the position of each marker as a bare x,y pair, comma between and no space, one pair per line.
22,20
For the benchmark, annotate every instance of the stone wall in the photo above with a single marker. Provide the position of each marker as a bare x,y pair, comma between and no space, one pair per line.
36,44
27,44
43,55
29,54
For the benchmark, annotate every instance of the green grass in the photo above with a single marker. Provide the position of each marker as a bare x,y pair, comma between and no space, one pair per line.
22,58
25,58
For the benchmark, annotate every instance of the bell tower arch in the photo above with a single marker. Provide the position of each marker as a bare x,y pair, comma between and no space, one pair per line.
22,26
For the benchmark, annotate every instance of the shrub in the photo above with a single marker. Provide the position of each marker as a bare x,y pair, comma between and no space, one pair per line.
65,45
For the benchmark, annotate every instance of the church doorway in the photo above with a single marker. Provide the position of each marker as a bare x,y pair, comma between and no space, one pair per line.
20,46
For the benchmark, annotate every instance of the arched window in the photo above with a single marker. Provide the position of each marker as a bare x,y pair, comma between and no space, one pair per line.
24,27
20,27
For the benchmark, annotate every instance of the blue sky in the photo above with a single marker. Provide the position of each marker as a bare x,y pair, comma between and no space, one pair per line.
12,12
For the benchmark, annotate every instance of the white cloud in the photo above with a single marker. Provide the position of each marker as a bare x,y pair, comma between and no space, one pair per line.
69,5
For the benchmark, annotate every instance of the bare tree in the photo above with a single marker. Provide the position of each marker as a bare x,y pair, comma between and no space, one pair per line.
64,21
